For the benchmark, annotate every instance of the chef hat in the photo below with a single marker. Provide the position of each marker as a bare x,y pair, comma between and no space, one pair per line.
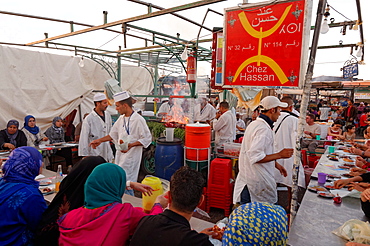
270,102
99,97
120,96
165,99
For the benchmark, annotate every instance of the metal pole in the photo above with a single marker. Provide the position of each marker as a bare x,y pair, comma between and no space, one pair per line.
119,67
361,28
303,109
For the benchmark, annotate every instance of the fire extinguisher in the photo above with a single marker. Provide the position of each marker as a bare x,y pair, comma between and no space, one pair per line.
191,67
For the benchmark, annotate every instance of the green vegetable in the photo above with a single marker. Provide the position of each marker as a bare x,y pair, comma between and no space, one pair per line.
155,128
179,133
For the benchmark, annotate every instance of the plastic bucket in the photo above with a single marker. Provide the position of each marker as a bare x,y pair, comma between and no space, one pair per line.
197,138
156,184
168,157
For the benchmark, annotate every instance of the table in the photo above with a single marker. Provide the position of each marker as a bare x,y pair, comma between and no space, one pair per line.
317,217
195,223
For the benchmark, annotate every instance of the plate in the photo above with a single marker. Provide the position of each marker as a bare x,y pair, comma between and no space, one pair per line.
334,176
316,188
45,182
326,194
344,167
46,191
329,186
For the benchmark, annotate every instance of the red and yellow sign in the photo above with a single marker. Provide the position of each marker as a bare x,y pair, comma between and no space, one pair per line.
263,45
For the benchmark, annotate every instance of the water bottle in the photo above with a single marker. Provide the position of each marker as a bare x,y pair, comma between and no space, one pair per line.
58,178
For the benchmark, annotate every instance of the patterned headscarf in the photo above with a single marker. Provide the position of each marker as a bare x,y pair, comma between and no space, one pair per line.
12,137
106,184
23,166
34,130
257,223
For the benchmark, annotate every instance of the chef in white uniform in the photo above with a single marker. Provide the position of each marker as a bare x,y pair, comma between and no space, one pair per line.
96,125
256,178
285,129
204,112
130,127
224,125
165,108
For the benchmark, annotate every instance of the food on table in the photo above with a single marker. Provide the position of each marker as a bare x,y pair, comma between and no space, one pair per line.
220,232
349,165
316,188
333,159
326,194
334,176
46,190
347,160
344,167
347,175
346,150
331,187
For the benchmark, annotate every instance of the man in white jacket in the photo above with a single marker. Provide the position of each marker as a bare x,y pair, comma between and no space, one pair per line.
285,129
96,125
131,132
256,178
204,112
224,125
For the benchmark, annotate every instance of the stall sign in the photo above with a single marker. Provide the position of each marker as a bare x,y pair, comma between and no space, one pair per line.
350,70
362,95
266,45
216,73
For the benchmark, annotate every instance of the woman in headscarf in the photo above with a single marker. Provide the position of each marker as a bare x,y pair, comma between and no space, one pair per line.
21,202
32,132
256,223
69,197
104,220
55,133
11,137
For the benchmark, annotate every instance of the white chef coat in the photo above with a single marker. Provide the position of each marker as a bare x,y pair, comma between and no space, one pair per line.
241,124
136,127
93,127
324,112
260,177
207,113
225,128
285,137
164,108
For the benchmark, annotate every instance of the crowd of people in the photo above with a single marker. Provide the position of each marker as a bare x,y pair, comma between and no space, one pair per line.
88,209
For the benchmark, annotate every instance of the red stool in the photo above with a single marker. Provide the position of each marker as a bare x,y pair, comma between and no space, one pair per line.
220,187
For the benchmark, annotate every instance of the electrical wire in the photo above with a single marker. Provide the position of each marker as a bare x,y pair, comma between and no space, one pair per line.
338,11
108,41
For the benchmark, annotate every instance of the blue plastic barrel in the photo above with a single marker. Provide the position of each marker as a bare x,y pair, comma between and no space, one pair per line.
169,156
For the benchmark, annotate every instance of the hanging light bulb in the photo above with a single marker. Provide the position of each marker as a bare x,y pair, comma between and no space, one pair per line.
324,26
81,63
184,54
359,52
